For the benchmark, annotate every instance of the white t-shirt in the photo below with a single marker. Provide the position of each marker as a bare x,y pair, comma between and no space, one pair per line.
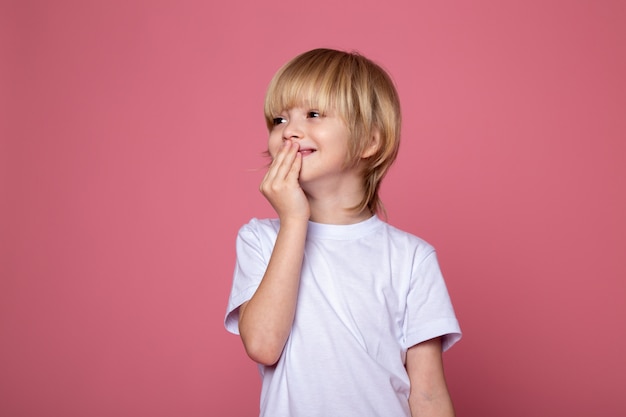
368,292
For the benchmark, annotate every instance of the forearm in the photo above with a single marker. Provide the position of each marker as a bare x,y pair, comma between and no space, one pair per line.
425,404
265,320
429,395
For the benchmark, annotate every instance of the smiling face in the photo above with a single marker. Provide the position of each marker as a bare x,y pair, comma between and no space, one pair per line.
323,140
362,97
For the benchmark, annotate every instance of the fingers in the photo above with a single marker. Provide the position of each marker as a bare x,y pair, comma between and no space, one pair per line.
283,164
281,187
294,170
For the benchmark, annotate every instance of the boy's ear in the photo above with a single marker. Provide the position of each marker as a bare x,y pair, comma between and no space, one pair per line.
373,146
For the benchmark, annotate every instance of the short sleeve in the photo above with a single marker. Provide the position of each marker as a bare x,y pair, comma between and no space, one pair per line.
429,312
250,267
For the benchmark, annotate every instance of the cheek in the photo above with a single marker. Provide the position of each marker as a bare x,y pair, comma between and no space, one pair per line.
273,145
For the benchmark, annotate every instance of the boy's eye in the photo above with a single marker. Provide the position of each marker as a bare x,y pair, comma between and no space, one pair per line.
313,114
278,120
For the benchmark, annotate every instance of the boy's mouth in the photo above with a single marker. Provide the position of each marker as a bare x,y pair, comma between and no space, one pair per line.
306,152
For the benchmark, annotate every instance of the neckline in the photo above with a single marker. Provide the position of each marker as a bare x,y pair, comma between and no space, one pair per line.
343,231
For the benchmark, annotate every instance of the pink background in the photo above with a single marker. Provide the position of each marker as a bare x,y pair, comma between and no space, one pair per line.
132,138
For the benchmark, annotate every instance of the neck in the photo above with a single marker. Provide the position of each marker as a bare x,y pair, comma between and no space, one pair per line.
336,212
332,200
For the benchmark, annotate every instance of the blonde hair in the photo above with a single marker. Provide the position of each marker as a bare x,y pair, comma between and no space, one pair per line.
361,93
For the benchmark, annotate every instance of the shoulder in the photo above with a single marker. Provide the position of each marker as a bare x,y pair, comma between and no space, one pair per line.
409,241
255,240
259,229
259,226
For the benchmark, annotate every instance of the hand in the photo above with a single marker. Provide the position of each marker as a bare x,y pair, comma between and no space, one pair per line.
280,185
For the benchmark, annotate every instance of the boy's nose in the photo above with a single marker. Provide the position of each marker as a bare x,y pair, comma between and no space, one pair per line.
292,131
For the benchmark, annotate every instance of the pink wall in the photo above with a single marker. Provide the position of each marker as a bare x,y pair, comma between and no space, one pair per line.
131,148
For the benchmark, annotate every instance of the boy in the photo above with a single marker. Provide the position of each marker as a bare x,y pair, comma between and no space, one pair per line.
345,314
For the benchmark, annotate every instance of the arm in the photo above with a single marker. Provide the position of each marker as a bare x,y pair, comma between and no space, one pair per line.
265,320
429,395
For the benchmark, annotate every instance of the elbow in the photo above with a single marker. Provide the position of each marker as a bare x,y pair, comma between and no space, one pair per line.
263,352
264,343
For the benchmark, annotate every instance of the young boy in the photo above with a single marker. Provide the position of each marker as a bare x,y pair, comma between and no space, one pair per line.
345,314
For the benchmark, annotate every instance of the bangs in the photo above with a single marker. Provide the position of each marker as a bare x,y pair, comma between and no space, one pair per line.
314,85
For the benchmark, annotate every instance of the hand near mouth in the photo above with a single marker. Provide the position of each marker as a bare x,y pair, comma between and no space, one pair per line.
280,185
